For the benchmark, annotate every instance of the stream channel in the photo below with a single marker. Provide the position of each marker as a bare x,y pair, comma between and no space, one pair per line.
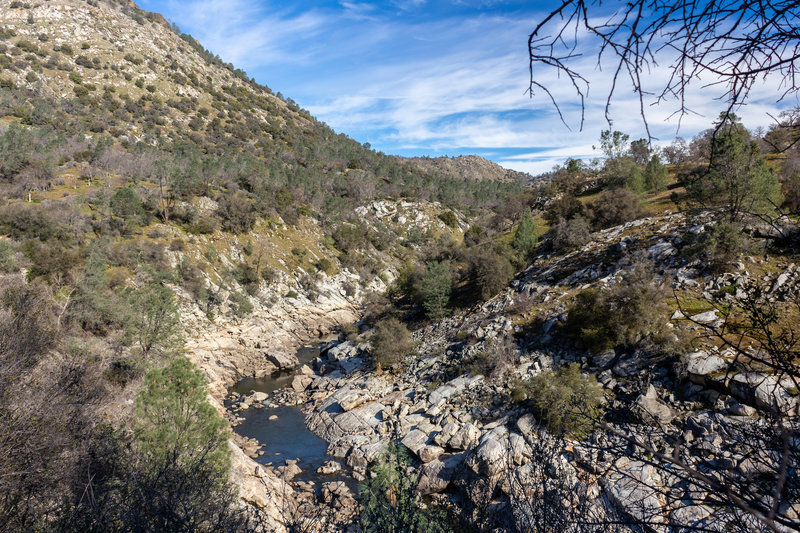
287,436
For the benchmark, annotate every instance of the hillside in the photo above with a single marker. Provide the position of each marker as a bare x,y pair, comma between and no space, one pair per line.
617,346
470,167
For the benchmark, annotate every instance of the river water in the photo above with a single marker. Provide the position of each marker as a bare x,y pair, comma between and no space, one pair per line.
286,437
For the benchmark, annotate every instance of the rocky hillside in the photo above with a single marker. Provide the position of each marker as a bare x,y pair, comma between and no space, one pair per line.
470,167
460,402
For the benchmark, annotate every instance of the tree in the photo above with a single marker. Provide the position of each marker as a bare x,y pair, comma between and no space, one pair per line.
435,289
170,473
152,320
389,499
613,143
176,424
640,152
655,174
737,179
526,236
733,43
125,204
15,150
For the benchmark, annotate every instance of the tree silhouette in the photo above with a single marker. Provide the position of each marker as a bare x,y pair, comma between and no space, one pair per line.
723,44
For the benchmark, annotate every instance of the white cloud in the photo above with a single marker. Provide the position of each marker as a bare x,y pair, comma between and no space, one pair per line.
453,83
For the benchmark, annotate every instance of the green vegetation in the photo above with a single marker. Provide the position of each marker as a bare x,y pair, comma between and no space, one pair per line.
389,499
631,313
435,289
152,321
566,401
737,178
390,341
526,235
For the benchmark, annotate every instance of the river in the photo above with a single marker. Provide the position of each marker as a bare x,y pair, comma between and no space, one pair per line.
285,437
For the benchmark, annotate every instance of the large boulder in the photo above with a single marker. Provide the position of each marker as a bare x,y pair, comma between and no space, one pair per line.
436,476
466,437
633,488
650,408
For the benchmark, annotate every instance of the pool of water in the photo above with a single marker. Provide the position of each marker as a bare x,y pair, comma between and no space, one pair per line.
280,379
285,437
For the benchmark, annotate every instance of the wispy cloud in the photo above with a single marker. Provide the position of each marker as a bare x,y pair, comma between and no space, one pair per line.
417,77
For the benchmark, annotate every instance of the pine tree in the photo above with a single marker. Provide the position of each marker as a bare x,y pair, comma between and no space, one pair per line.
526,235
738,179
436,286
655,175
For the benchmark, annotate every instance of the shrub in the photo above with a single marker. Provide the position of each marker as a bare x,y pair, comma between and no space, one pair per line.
491,272
719,246
565,401
203,226
390,501
613,207
566,207
325,265
347,237
8,262
390,342
497,359
248,277
241,306
449,218
237,213
629,313
569,234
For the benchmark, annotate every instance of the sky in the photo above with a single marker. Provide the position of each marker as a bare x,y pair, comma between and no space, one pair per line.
428,77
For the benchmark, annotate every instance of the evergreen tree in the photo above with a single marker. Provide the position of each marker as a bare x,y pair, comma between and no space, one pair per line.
435,291
526,235
390,502
655,175
738,179
152,320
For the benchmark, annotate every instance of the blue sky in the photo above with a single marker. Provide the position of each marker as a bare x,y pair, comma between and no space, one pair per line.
427,77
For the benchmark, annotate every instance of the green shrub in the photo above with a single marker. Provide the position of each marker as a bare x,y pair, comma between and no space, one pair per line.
390,502
248,277
203,226
241,306
565,401
719,246
390,341
614,207
325,265
630,313
8,263
449,218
